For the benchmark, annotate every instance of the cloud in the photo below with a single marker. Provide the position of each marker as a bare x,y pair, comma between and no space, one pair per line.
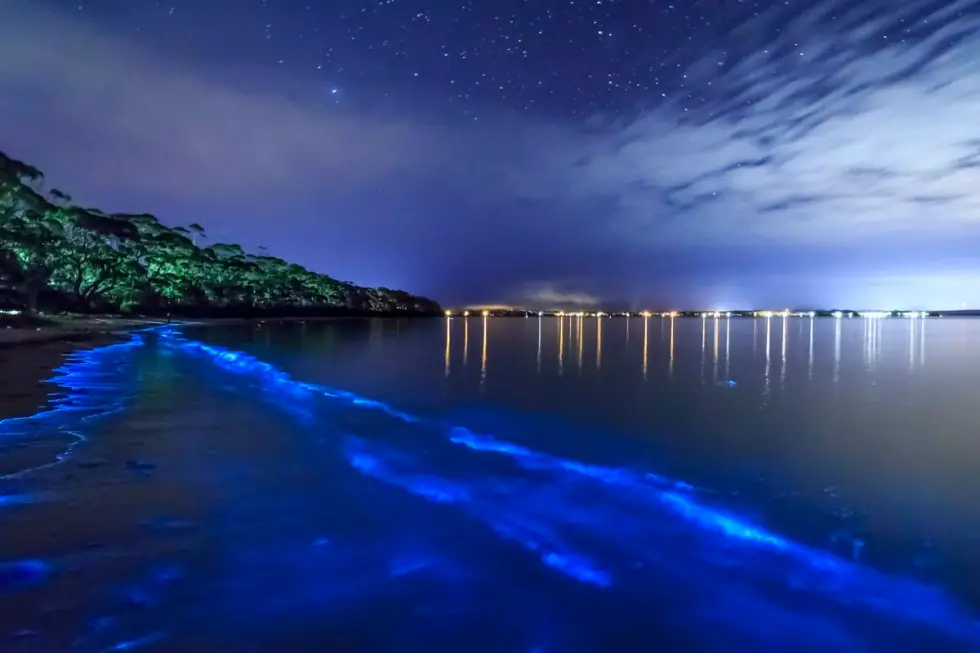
547,295
159,128
819,126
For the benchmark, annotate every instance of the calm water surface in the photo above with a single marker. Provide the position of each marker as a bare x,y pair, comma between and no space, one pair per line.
502,484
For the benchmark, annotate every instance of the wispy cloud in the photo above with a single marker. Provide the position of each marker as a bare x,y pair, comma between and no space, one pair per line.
820,125
161,128
548,295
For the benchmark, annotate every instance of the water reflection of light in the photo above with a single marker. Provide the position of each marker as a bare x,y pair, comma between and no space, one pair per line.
728,346
704,332
483,357
810,364
922,344
581,341
539,343
670,366
448,336
561,344
714,362
765,386
782,368
466,339
646,320
865,342
911,344
837,324
872,329
598,343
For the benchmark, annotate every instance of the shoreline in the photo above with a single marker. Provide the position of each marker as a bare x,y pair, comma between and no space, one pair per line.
30,354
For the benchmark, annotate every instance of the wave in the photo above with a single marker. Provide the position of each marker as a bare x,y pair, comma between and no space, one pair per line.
625,529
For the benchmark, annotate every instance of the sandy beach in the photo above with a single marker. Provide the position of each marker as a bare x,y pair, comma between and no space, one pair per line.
29,354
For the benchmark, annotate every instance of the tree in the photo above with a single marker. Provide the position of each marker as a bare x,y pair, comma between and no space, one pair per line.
90,260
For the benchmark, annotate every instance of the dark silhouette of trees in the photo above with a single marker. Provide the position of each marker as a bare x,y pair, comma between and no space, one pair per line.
56,255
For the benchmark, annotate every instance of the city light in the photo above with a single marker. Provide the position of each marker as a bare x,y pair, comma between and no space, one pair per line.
449,313
704,315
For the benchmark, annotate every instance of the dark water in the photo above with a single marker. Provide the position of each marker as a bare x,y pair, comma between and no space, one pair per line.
502,485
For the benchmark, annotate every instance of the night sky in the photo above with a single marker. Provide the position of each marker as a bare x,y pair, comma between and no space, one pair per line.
670,153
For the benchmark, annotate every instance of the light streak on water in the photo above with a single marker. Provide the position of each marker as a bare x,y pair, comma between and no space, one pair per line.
714,358
782,366
598,343
448,339
561,345
646,339
483,354
765,385
922,344
912,344
704,335
810,357
728,346
538,358
837,326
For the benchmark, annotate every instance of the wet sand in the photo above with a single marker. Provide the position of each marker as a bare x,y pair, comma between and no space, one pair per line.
29,356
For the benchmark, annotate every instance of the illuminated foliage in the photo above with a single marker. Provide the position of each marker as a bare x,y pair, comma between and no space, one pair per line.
64,256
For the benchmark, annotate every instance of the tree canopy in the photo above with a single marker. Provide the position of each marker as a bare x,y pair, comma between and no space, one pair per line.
56,255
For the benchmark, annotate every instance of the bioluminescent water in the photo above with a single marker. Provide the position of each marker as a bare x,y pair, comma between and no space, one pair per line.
201,489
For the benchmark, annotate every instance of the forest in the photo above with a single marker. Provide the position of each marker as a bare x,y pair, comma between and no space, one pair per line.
59,257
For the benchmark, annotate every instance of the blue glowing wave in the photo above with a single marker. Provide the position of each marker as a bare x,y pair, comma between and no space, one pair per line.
562,506
530,535
714,519
274,379
90,385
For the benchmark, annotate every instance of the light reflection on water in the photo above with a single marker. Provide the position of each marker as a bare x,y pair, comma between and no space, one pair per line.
716,341
861,451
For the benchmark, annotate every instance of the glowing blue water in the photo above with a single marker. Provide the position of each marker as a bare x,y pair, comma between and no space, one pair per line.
471,538
90,385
